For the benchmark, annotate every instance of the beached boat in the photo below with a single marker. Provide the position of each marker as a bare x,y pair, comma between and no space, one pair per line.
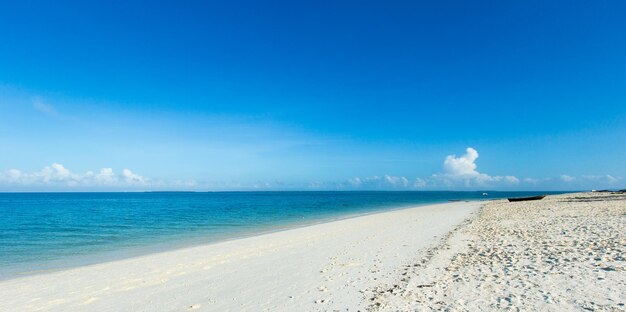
527,198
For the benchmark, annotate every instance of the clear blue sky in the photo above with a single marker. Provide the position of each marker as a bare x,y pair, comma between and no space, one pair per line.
312,95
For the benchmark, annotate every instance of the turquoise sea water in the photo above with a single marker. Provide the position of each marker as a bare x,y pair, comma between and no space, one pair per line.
43,231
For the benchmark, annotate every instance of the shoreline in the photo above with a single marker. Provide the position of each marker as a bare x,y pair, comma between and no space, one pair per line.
302,259
562,253
129,252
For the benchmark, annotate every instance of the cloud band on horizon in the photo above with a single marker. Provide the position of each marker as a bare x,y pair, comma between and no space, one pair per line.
459,173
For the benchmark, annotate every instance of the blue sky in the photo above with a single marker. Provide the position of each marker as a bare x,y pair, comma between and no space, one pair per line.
237,95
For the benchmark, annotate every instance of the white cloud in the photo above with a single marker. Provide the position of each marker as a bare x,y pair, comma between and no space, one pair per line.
13,174
130,177
511,179
380,182
396,181
56,175
356,181
419,183
462,166
105,176
462,171
458,172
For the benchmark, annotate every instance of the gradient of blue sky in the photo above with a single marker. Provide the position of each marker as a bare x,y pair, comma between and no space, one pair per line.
294,94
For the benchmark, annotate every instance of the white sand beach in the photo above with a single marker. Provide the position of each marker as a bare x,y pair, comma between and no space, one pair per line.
330,266
562,253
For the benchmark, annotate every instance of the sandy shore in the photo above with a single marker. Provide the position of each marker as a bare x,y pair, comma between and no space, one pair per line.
330,266
563,253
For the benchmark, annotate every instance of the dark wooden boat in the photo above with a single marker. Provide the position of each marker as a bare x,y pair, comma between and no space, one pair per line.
526,198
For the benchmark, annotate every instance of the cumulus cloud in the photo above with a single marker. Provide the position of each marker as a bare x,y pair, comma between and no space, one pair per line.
396,181
462,171
511,179
105,176
56,175
458,171
13,174
131,177
462,166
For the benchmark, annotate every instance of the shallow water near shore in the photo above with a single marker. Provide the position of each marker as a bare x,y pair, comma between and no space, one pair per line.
50,231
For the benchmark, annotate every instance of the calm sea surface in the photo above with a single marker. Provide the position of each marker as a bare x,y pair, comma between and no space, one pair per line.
48,231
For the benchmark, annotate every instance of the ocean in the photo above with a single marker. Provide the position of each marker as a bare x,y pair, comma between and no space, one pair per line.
40,232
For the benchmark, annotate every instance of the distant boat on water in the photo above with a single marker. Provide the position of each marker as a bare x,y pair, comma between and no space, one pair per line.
527,198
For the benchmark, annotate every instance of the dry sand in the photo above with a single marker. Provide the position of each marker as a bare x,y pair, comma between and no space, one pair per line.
563,253
330,266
